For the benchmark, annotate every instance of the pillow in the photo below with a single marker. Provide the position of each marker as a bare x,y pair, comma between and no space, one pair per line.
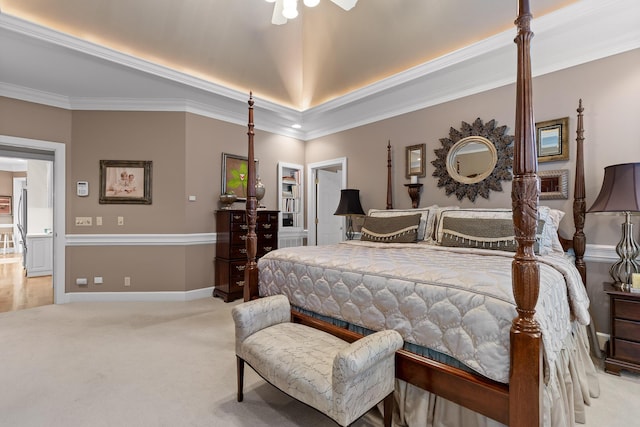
476,228
396,229
427,219
550,241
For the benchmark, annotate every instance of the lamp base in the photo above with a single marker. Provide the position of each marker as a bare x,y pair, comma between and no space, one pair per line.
349,234
627,249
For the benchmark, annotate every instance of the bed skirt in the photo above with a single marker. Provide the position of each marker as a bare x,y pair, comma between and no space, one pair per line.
570,385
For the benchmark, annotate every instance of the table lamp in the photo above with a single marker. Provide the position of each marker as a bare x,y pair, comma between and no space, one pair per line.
620,192
349,206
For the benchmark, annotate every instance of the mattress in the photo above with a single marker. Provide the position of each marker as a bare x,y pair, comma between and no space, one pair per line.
455,301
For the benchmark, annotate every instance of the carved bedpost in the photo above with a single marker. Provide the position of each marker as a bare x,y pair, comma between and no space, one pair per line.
525,383
251,270
389,190
579,204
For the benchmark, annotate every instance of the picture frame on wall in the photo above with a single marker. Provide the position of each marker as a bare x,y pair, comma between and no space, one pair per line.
554,184
552,139
125,182
234,175
416,161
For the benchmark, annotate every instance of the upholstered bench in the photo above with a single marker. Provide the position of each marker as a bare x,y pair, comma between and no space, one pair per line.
339,379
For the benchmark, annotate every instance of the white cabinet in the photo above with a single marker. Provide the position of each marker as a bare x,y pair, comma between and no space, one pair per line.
39,255
291,204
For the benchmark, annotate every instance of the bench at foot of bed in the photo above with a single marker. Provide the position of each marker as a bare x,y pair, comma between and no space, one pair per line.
339,379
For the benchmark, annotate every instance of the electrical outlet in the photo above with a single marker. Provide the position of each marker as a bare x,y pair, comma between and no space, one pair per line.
81,281
98,220
83,220
97,280
120,220
127,281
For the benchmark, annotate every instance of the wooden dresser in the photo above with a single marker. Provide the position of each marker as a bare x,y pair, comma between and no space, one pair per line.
231,251
624,344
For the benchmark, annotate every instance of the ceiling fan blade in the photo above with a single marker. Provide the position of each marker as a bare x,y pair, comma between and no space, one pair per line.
278,18
346,4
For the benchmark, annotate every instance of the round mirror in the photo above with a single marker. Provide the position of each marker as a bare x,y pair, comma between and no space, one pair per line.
471,159
474,159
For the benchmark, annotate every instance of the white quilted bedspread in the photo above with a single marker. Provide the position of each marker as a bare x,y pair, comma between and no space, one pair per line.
457,301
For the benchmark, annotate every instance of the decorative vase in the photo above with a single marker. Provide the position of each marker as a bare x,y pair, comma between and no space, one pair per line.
227,200
260,190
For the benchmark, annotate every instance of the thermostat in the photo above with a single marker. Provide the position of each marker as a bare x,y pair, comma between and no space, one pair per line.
82,188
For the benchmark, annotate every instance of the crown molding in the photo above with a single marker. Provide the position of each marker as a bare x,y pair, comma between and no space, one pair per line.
582,32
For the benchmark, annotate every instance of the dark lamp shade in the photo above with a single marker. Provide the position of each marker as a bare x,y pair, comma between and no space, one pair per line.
349,203
620,190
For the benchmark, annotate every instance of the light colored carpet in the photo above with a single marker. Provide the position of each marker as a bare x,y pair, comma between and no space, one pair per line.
166,364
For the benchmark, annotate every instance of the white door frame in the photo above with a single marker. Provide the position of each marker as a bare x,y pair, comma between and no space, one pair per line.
59,202
340,162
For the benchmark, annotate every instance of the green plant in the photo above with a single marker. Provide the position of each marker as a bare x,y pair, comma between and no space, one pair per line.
239,178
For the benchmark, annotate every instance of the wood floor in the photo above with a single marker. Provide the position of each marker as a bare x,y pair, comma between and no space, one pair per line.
17,291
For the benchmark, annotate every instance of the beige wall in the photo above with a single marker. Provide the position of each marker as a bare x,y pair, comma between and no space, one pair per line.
28,120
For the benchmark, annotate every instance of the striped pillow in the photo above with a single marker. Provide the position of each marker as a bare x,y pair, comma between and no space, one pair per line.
481,229
396,229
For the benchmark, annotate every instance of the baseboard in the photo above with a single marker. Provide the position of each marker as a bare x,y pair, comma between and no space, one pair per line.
139,296
602,340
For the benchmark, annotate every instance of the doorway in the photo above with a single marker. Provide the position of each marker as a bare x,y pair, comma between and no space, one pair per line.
23,221
326,179
49,160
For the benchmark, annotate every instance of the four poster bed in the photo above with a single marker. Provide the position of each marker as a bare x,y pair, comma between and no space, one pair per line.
504,336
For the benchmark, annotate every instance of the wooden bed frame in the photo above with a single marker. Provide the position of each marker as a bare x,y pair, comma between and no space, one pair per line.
520,402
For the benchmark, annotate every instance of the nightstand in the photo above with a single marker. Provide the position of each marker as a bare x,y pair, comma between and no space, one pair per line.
624,344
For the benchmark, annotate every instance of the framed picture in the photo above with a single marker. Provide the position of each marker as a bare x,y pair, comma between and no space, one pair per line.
125,182
416,161
234,175
5,205
554,184
552,138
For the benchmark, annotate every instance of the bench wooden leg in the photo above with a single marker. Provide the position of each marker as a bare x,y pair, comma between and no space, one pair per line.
240,369
388,410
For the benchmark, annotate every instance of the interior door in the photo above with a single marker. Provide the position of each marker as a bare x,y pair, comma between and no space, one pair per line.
329,227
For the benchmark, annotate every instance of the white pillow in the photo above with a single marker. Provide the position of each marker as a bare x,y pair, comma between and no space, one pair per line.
551,218
427,218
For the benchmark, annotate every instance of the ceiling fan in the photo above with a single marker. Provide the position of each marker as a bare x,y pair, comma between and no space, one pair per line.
288,9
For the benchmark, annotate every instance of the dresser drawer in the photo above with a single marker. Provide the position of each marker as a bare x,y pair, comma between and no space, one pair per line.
264,248
238,251
269,238
236,269
266,227
268,217
626,330
626,309
626,350
239,238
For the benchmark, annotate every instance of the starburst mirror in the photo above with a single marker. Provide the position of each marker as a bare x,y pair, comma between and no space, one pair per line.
474,160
